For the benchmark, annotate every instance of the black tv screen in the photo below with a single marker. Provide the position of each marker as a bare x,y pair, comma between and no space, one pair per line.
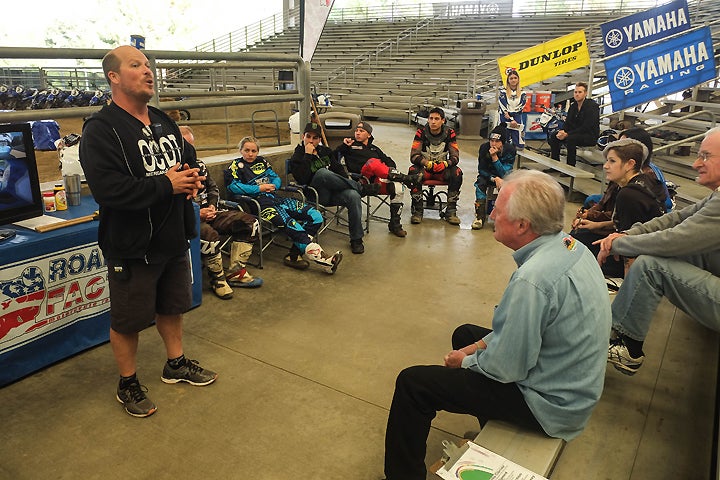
20,196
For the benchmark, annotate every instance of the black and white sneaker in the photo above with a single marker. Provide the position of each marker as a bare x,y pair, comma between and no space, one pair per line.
191,373
135,401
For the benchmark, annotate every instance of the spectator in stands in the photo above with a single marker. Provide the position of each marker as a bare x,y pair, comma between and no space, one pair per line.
658,184
678,256
362,156
582,126
252,175
435,154
596,222
316,165
533,369
216,221
511,102
495,160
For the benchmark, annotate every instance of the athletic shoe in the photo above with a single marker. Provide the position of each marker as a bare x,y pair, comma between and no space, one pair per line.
621,359
415,219
191,373
135,401
613,284
477,224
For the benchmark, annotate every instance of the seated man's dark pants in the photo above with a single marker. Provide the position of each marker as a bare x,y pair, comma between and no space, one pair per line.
421,391
571,143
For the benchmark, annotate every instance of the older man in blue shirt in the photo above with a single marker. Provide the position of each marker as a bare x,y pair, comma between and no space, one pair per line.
543,364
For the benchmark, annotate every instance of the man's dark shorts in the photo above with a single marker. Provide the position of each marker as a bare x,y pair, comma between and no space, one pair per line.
138,291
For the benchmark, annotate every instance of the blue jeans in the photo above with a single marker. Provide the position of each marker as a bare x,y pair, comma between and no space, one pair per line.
335,190
687,282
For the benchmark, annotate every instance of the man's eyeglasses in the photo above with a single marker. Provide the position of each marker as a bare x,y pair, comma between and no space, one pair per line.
704,156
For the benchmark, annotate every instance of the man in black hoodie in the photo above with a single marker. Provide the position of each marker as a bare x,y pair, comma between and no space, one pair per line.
143,179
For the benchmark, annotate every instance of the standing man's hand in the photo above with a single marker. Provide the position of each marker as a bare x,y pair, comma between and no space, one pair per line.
348,141
185,179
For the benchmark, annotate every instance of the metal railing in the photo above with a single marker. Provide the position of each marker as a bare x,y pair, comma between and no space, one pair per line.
159,61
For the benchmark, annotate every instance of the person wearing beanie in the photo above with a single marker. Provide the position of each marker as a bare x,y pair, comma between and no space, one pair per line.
511,102
496,158
317,165
435,155
362,156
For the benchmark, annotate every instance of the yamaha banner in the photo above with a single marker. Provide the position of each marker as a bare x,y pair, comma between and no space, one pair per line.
647,73
644,27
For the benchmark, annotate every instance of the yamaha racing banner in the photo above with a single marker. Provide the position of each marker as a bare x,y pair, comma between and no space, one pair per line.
548,59
644,27
313,15
648,73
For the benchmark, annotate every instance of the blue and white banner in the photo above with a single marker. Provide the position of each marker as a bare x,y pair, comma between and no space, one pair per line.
642,75
645,27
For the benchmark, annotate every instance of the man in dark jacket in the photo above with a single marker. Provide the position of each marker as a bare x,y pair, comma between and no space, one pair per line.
316,165
143,179
582,126
363,157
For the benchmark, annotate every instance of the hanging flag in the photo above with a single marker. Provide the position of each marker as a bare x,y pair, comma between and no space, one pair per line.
313,15
547,59
644,27
647,73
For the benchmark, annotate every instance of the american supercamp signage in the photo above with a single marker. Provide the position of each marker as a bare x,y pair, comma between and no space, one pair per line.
644,27
644,74
548,59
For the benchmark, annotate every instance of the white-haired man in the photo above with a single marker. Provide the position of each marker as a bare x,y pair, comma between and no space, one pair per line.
543,364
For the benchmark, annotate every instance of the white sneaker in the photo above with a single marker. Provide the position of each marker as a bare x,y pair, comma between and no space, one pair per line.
620,358
477,224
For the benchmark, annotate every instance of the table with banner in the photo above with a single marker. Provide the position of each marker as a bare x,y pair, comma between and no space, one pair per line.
54,300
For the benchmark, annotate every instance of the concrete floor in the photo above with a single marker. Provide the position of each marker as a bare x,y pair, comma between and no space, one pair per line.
307,366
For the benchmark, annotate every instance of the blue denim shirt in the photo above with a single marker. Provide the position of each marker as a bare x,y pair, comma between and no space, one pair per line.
550,333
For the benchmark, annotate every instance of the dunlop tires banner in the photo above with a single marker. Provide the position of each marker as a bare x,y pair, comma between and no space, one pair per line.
548,59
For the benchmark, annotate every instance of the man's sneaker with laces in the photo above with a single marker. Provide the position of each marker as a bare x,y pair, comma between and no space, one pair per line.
620,358
135,401
191,373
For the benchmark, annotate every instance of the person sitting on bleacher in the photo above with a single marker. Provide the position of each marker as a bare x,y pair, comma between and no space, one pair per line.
495,160
316,165
596,221
252,176
678,256
511,102
435,154
362,156
582,126
635,201
658,184
542,366
216,221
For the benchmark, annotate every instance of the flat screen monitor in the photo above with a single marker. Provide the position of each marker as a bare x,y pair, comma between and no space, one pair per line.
20,196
